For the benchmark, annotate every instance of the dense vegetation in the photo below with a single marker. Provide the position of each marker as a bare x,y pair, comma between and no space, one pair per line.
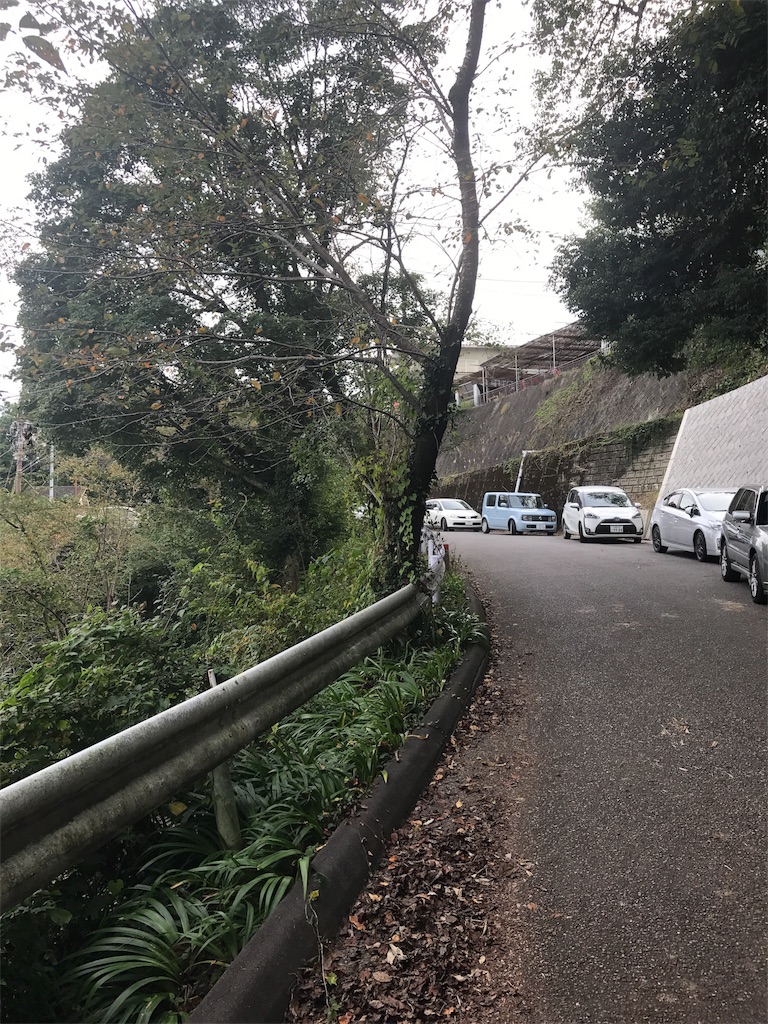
109,614
672,270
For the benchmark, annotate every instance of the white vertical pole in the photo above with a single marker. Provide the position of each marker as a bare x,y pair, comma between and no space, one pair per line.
50,477
19,455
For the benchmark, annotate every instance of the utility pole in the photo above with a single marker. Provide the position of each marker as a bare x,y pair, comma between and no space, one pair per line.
50,477
19,454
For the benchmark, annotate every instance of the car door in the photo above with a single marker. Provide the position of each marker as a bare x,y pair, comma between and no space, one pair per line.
670,518
738,534
489,510
685,523
501,513
570,522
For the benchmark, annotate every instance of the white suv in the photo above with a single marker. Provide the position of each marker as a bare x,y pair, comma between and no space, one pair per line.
601,512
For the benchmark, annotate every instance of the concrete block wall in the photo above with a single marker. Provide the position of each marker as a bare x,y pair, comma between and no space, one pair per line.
552,473
720,443
644,477
723,442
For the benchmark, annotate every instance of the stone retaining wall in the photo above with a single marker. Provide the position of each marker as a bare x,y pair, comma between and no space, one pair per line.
595,425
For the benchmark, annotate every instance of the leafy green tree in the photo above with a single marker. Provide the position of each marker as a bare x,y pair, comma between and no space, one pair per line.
672,272
201,296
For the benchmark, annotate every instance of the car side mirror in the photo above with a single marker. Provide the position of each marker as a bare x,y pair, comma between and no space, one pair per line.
638,505
742,517
572,504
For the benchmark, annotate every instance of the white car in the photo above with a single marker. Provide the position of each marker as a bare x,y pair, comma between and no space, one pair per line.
601,512
690,520
451,514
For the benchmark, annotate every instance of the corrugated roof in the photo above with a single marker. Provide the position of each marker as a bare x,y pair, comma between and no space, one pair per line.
569,342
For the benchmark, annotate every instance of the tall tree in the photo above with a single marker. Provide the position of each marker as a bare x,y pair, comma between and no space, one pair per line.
672,272
203,290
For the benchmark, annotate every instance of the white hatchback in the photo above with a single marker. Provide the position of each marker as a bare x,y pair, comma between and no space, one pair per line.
601,512
451,514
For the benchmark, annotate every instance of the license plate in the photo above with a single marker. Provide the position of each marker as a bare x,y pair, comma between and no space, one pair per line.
617,529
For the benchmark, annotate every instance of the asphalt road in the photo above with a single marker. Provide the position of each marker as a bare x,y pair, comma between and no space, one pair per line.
645,820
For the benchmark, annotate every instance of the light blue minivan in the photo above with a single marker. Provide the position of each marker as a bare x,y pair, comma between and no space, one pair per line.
517,512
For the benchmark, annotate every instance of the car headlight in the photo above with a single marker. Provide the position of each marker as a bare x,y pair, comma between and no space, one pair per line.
590,515
637,515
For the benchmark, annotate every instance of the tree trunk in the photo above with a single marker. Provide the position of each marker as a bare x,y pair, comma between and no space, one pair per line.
438,383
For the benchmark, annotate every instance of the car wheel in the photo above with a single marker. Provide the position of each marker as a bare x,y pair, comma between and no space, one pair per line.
582,538
728,573
511,527
444,526
756,585
656,538
484,526
700,546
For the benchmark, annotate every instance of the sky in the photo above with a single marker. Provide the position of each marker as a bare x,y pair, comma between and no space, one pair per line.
513,298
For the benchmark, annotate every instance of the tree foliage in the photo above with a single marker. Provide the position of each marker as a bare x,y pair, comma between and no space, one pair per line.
672,272
222,262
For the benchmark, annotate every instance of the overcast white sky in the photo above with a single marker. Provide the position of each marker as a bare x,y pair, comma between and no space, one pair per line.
512,293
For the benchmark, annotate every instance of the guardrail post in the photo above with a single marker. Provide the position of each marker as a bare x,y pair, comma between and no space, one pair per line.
224,804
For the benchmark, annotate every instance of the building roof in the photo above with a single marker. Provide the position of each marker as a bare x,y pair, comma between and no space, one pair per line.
570,342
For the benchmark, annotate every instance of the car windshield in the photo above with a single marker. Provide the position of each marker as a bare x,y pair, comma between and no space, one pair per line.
454,503
530,501
605,499
714,501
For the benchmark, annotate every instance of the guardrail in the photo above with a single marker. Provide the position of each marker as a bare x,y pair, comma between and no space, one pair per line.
51,819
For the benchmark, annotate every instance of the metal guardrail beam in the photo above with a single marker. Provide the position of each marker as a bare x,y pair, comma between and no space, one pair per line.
51,819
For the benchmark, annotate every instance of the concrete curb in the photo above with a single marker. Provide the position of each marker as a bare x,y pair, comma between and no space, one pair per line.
256,987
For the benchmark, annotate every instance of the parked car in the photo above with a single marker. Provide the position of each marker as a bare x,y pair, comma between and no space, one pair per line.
601,512
744,542
451,514
690,520
517,512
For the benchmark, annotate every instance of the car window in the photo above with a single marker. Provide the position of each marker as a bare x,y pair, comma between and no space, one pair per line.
746,501
761,519
687,501
514,501
455,503
432,504
714,501
673,500
604,499
531,501
490,500
503,501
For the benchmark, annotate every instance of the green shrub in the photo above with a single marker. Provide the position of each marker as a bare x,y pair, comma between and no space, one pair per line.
110,671
168,909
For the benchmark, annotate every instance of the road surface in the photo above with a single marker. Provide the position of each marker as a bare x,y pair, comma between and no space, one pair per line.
645,813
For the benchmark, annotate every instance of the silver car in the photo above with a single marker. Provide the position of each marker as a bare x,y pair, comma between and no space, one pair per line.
744,544
690,520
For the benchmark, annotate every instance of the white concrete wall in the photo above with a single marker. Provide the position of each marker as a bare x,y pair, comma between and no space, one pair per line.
723,442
